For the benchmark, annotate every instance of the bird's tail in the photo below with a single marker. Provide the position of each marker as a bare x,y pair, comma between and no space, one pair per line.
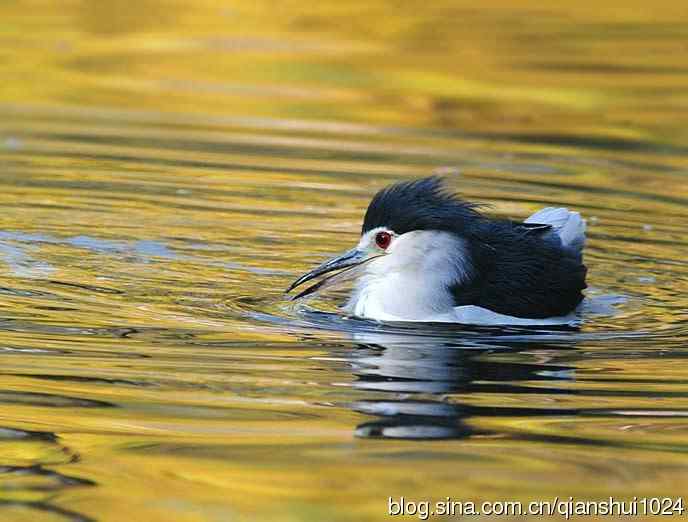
568,225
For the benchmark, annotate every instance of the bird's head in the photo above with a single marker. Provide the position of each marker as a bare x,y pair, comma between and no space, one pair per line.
418,228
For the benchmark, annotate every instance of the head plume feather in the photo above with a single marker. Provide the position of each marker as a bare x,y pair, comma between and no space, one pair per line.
423,204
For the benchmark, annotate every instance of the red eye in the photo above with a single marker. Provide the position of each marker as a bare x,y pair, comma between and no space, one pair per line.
383,239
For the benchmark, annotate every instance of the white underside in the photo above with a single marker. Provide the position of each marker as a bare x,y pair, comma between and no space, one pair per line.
476,315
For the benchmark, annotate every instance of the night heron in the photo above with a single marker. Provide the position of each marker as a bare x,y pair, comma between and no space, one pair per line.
426,255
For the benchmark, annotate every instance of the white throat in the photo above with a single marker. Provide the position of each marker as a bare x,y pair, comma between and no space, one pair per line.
412,281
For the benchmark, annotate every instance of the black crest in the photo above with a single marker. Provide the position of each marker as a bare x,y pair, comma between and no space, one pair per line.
424,204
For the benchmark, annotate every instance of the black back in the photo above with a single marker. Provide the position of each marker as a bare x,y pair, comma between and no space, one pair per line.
522,271
519,269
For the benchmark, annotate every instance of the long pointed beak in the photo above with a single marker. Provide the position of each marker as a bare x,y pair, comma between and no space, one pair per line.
348,259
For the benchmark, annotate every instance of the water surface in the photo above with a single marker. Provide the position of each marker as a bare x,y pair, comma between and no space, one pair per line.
168,170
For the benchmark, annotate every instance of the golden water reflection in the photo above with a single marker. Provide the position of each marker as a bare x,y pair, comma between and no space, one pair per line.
168,168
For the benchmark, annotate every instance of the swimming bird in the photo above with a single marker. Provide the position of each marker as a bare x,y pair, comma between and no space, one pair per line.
426,255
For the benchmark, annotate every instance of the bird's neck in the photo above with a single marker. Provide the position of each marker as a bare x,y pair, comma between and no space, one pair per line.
395,298
412,291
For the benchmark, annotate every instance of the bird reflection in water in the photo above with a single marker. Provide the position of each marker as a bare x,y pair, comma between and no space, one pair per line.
420,375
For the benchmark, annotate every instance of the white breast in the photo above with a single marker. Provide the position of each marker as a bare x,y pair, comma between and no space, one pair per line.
412,282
